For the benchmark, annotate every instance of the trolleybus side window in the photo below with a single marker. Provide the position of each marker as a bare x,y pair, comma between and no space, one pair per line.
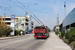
40,28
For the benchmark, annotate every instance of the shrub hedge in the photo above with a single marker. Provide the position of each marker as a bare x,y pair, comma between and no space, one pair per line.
73,44
17,32
66,41
56,32
71,35
62,33
5,31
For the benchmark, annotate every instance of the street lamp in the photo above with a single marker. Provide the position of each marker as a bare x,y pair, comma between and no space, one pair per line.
65,14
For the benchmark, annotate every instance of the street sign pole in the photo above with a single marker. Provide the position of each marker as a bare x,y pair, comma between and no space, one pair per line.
13,23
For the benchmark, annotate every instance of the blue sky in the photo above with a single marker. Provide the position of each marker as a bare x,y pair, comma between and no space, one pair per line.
53,7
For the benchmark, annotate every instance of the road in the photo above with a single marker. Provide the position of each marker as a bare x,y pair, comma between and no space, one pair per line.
22,43
54,43
30,43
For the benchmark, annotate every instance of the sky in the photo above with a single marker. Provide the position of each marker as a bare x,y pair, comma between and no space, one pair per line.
46,10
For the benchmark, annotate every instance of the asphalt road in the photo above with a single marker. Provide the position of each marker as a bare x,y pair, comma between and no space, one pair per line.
22,43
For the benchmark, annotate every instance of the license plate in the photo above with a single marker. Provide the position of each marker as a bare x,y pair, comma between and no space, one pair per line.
39,36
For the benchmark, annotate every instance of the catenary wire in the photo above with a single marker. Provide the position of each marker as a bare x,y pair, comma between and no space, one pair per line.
29,10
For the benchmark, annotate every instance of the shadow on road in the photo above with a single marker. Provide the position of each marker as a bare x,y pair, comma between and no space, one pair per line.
41,38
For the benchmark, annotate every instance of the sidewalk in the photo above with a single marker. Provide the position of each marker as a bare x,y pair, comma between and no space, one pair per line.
54,43
3,38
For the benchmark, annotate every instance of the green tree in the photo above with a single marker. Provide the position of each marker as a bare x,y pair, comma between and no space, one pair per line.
2,32
22,31
7,31
54,28
16,32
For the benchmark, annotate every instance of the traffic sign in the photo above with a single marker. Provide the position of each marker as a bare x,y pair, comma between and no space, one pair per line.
12,16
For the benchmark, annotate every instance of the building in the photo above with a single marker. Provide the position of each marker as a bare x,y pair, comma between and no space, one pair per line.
32,25
21,22
2,24
69,21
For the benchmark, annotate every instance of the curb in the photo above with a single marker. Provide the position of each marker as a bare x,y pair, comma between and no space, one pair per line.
4,38
68,45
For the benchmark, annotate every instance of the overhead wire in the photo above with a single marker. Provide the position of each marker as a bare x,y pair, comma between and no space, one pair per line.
8,10
40,7
5,10
29,10
17,5
34,19
22,8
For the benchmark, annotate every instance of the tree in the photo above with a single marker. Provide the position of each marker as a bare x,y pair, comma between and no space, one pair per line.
54,28
5,31
2,23
2,31
8,30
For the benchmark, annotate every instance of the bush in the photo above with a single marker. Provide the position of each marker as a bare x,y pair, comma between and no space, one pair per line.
73,44
1,32
5,31
60,36
66,41
62,33
22,33
71,35
56,32
16,32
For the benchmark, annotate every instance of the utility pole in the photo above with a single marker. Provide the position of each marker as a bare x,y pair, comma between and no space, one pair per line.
65,14
4,18
58,22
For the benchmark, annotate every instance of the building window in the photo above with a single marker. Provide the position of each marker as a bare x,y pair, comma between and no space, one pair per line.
8,23
27,24
32,26
22,24
31,23
7,18
27,20
27,28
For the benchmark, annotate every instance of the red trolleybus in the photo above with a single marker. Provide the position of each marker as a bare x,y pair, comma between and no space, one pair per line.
41,32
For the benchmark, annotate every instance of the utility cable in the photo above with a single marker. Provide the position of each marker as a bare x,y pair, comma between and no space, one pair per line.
34,19
17,5
40,7
29,10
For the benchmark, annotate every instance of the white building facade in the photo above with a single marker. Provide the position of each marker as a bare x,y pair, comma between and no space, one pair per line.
21,22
